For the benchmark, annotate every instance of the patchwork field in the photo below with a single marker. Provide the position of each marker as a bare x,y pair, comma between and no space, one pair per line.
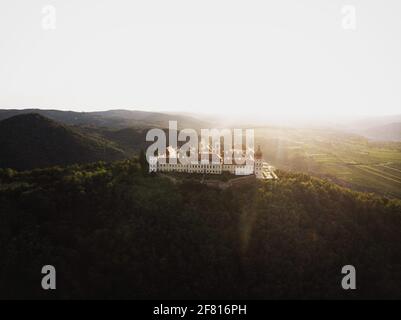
346,159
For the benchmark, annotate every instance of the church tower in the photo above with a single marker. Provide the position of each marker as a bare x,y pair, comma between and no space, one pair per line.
258,163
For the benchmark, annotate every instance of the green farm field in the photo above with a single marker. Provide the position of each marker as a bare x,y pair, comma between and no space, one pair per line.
347,159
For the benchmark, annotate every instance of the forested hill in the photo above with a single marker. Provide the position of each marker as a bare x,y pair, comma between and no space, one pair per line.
33,141
112,119
112,231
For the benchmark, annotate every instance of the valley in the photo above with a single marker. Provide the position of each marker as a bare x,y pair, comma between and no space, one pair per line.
346,159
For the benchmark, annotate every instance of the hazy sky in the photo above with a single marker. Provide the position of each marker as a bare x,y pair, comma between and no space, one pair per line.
219,56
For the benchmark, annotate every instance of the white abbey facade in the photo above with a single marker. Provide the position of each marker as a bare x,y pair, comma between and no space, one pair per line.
166,163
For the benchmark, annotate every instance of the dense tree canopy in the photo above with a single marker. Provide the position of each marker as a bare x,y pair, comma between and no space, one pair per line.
112,231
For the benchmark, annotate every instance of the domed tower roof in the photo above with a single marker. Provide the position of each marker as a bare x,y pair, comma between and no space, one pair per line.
258,154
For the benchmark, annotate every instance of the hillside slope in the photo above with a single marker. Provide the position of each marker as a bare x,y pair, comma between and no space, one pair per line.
113,232
33,141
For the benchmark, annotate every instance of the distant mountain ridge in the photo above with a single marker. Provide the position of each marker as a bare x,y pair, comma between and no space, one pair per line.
385,128
35,138
114,119
388,132
31,140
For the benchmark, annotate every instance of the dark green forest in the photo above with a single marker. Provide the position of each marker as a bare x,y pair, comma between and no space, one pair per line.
29,141
114,231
